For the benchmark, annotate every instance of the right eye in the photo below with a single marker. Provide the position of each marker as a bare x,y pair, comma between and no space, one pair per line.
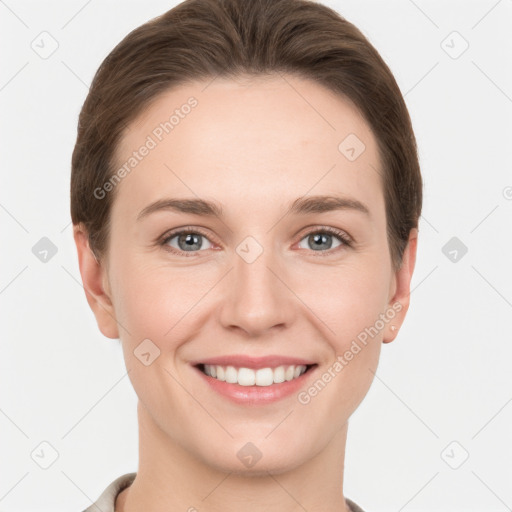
185,240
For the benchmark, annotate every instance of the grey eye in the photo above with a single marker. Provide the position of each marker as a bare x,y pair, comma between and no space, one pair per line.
319,241
188,241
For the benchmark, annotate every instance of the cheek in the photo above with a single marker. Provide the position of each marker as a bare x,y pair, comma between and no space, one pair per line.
349,307
347,299
158,302
350,313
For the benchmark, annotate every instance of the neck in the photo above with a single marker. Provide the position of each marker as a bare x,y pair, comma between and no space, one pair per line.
171,478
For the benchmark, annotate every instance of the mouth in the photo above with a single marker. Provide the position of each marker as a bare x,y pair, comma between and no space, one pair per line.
255,380
262,377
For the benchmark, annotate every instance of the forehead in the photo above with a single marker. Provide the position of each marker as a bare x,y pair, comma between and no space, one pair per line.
249,140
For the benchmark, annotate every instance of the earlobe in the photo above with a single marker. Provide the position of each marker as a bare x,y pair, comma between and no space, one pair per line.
94,279
402,293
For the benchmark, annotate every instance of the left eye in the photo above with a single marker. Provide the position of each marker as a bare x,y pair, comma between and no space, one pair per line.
319,240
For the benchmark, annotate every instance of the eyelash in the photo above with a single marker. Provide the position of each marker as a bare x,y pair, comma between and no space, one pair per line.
342,237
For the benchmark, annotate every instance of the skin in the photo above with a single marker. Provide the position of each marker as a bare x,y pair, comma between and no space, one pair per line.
253,146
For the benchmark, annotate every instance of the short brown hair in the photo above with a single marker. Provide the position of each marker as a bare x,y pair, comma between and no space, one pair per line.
202,39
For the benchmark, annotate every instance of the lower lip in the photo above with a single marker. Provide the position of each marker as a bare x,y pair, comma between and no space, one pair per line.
256,394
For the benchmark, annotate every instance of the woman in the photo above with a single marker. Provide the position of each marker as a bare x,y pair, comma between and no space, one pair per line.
220,147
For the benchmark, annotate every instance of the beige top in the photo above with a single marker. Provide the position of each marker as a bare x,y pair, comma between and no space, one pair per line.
107,500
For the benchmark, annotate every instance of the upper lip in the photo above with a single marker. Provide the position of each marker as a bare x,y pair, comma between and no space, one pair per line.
244,361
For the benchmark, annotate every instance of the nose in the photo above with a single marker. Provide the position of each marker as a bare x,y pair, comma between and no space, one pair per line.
256,295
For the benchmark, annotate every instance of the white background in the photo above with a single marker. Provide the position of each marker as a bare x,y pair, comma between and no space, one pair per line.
446,378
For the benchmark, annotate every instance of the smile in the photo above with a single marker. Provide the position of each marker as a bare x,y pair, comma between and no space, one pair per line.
248,380
252,377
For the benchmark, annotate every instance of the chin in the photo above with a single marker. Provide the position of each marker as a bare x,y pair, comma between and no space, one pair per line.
258,457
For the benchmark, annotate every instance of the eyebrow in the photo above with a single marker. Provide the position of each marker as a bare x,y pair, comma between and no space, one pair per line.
301,206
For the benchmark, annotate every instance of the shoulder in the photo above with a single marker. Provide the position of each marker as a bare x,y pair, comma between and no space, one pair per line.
107,499
354,507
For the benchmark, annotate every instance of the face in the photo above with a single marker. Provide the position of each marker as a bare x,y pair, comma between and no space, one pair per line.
263,275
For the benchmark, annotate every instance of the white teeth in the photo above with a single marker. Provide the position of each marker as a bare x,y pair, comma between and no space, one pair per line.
279,374
246,377
250,377
288,374
264,376
221,374
231,374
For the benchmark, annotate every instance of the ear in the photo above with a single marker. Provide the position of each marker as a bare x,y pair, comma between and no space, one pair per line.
96,286
401,296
